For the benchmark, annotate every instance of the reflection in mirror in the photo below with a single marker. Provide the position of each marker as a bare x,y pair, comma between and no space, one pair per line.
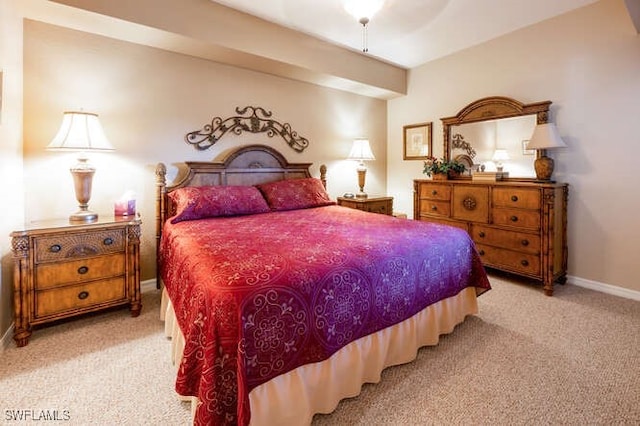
494,123
475,145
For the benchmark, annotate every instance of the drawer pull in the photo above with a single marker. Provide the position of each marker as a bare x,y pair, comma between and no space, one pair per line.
514,198
481,252
83,295
55,248
525,242
83,270
434,208
434,192
524,262
108,241
481,234
513,218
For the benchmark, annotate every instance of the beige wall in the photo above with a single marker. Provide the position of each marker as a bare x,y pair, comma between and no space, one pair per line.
588,63
11,190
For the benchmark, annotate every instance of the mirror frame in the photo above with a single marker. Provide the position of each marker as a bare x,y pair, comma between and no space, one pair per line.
491,108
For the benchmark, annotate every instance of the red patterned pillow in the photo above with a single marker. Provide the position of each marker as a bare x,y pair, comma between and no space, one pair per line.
295,194
212,201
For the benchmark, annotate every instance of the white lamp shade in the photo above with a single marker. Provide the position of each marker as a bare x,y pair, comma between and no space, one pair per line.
500,155
545,136
361,150
80,131
363,8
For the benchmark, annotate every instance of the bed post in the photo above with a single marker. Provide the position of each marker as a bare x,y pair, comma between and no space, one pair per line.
323,175
161,213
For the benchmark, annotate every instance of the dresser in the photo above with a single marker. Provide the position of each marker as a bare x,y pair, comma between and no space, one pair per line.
63,270
517,227
382,205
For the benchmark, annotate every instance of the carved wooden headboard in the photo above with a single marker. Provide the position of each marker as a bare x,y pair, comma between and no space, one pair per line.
247,165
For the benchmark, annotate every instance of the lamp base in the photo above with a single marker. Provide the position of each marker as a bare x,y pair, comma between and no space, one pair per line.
362,195
84,216
544,168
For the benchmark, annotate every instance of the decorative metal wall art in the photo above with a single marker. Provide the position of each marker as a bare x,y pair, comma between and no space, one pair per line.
250,119
457,141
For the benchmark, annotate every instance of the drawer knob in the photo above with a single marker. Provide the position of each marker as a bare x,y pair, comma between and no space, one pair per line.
481,252
514,198
524,262
108,241
525,242
83,295
434,208
83,270
481,234
434,192
55,248
514,218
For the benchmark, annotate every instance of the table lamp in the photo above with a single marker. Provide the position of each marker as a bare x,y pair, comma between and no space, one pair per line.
499,156
361,151
545,136
81,131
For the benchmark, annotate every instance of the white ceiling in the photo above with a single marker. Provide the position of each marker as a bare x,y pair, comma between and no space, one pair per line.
408,32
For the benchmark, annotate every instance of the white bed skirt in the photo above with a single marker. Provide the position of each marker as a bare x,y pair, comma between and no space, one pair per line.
293,398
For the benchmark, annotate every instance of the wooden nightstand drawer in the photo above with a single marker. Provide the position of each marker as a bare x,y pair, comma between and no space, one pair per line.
516,197
50,275
81,296
381,205
59,247
509,260
519,241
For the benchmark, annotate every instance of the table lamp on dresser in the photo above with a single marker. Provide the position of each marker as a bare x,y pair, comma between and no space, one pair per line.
81,131
545,136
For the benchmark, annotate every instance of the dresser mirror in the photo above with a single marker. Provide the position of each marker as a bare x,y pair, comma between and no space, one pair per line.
484,131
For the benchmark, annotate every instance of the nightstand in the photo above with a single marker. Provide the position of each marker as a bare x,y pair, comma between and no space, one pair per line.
382,205
63,270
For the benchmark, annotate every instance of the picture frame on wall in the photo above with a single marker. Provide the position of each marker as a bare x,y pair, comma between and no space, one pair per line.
417,143
526,150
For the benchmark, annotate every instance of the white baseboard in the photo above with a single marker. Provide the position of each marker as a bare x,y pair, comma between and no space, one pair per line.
604,288
7,338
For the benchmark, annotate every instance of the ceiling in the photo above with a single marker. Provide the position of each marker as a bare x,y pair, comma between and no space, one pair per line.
408,33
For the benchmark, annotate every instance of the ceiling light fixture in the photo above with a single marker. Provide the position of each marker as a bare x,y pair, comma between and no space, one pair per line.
363,11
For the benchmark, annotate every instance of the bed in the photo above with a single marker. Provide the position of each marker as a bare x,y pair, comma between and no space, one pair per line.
280,302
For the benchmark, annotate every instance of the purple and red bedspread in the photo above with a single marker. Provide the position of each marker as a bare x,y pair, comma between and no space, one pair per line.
257,296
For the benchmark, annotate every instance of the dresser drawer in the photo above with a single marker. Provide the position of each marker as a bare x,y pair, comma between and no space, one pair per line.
50,275
435,208
519,241
59,247
81,296
514,261
516,197
529,219
435,192
471,203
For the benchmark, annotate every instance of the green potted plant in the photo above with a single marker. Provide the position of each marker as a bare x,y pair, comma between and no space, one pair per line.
438,168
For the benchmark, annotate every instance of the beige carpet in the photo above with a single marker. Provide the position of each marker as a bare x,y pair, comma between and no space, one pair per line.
526,359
